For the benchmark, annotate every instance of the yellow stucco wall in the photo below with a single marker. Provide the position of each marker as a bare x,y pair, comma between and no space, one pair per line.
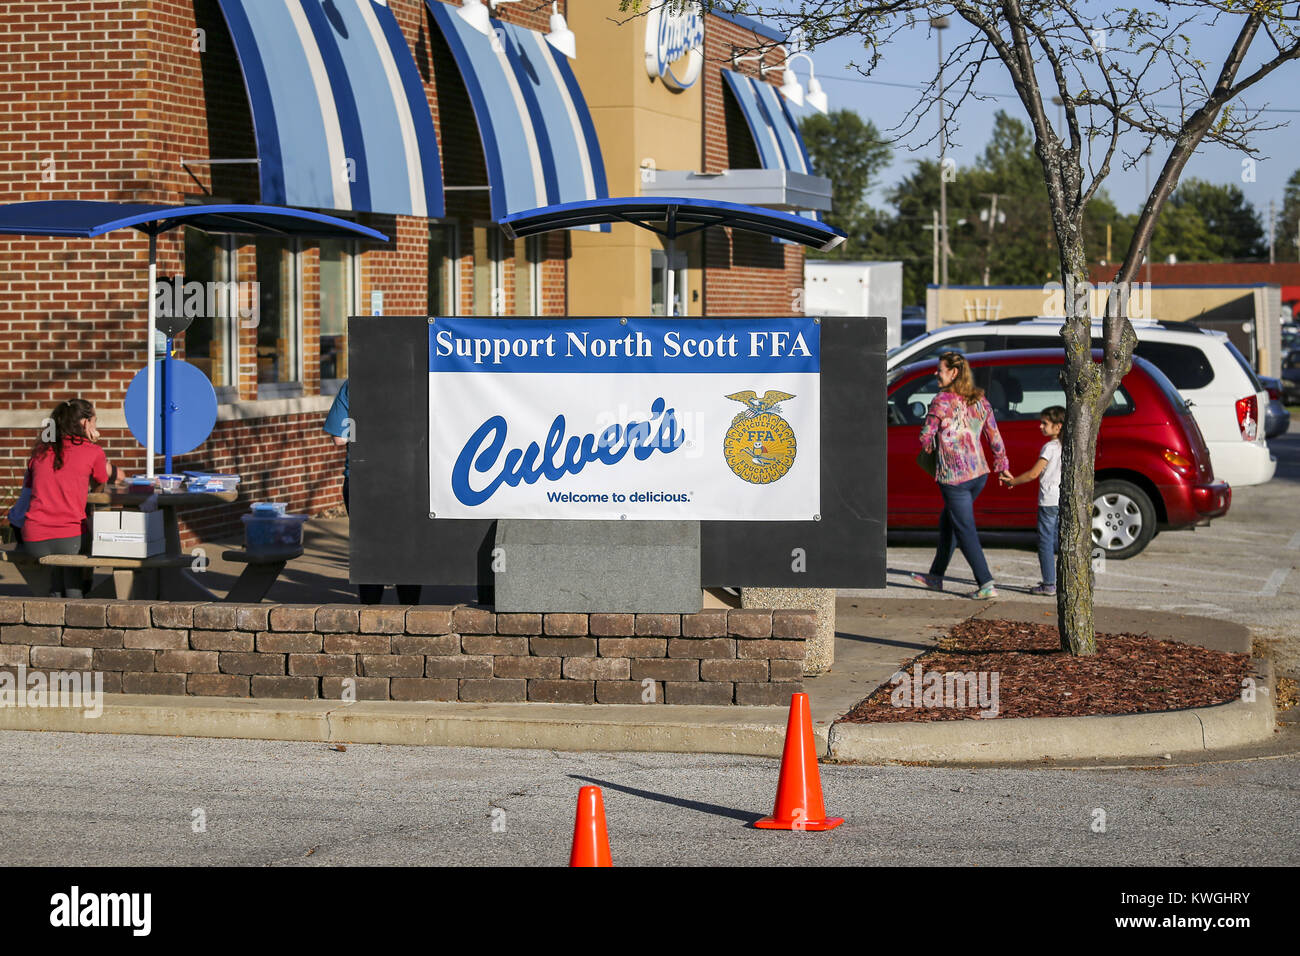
1170,304
636,119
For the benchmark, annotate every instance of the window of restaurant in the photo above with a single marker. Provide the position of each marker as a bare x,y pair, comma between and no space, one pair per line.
339,265
279,320
443,268
528,276
489,271
658,273
208,342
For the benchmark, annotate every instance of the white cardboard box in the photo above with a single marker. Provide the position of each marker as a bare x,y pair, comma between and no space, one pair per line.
128,534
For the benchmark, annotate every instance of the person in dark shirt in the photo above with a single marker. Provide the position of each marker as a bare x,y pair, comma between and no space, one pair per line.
337,424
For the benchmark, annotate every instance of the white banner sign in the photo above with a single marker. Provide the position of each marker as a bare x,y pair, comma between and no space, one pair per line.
640,419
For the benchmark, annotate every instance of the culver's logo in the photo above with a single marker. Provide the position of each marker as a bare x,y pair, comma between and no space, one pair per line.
554,457
670,37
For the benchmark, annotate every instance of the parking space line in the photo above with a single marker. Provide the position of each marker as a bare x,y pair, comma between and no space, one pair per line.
1274,582
1202,591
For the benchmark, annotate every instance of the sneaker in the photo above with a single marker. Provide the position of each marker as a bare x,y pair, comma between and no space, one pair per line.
1044,590
931,582
985,593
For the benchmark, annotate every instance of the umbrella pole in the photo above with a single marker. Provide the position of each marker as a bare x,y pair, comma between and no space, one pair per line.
152,396
167,409
669,277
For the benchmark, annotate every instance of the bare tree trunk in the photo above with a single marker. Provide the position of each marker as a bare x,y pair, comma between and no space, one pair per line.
1074,579
1083,411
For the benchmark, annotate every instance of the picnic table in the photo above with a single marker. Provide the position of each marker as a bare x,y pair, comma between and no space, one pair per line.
169,575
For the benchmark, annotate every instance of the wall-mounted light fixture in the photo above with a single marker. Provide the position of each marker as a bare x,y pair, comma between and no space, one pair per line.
475,13
479,16
793,91
561,37
791,88
737,59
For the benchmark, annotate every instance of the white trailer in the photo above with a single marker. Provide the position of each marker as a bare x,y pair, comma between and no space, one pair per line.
832,287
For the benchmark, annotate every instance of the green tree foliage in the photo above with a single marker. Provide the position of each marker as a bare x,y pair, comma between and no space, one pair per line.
1287,241
1232,227
851,153
1018,247
1202,222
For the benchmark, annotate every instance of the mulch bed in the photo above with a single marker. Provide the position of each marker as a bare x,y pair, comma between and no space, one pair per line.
1130,674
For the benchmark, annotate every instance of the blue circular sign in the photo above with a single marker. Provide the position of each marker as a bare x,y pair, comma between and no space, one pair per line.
191,404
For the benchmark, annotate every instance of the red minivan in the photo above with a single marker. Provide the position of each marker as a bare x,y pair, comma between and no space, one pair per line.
1152,466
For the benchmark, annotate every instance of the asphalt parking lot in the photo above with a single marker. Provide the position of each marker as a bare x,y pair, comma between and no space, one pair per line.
93,800
1242,567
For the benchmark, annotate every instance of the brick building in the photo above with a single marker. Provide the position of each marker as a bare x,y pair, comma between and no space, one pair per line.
133,100
1285,275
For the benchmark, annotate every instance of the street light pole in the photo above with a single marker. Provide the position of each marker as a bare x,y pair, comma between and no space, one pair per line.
1147,157
993,217
940,24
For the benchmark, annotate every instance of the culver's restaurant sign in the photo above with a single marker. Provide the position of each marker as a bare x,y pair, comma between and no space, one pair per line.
638,419
674,45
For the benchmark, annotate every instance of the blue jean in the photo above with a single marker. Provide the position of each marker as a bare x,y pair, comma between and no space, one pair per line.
957,529
1049,530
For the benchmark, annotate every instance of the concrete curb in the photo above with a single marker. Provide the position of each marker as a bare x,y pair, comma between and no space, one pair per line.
752,731
1031,739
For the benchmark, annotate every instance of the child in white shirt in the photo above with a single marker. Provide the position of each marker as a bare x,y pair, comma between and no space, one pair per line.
1048,472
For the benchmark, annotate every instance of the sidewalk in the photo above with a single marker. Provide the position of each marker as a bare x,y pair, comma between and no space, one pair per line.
874,638
876,632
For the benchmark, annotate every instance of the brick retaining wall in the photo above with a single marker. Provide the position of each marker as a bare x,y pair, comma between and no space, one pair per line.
411,653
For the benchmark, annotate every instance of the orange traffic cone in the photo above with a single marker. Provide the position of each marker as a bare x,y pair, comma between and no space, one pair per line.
799,803
590,841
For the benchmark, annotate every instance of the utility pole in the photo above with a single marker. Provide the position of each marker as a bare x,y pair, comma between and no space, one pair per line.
940,24
992,215
934,245
1271,260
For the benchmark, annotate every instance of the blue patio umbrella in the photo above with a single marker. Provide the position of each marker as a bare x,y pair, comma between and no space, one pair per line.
86,219
672,218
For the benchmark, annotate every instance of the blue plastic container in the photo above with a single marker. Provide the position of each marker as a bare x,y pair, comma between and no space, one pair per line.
264,534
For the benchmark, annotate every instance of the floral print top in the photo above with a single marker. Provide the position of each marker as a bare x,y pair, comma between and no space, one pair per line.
952,430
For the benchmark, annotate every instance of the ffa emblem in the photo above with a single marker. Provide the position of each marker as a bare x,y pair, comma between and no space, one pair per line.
759,446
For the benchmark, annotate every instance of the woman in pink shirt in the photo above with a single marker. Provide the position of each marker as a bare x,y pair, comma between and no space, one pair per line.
61,471
957,417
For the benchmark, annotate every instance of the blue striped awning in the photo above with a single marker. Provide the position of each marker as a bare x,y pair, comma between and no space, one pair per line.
770,122
339,109
538,139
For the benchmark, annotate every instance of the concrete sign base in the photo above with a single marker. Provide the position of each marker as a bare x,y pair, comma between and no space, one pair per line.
644,567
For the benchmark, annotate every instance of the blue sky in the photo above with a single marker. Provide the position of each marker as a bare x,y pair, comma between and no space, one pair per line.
910,60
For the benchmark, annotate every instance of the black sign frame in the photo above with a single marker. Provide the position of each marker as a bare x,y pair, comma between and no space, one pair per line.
395,541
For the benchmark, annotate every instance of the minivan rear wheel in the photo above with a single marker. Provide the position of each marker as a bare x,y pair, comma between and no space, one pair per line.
1123,519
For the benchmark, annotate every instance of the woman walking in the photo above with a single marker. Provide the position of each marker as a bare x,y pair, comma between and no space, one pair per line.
61,471
957,417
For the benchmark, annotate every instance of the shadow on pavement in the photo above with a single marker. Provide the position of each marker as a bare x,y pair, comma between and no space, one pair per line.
713,808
